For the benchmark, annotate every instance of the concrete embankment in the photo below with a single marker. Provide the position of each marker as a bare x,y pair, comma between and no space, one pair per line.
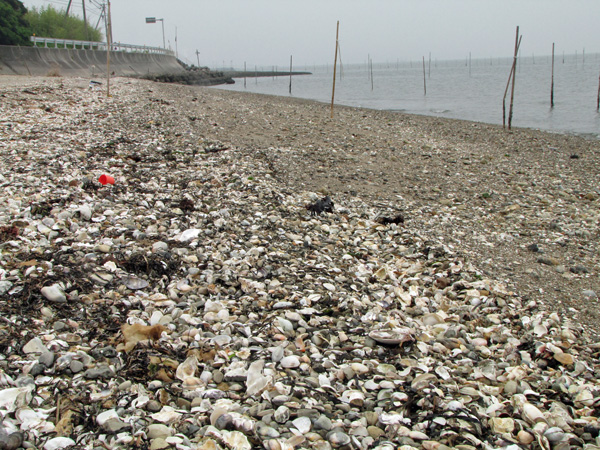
78,62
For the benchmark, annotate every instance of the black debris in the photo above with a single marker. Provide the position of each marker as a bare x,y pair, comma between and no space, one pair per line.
387,220
323,205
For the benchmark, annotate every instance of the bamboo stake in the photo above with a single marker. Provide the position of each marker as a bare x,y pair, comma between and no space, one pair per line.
598,99
290,74
424,79
512,89
337,35
512,71
552,82
371,74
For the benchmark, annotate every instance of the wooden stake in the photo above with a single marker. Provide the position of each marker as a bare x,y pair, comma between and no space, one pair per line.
510,76
598,99
552,82
424,80
244,74
337,35
290,74
512,89
429,67
371,64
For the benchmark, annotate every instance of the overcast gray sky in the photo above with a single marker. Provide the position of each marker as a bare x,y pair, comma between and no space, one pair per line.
267,32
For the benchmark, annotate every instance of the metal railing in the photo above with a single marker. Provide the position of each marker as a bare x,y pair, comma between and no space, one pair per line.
91,45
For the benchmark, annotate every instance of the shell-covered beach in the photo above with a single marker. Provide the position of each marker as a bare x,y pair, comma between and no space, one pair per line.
447,299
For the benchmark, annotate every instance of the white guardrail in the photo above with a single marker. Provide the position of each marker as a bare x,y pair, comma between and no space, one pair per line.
90,45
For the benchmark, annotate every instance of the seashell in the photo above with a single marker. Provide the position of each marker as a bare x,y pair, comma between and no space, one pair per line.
584,398
423,381
394,336
524,437
166,415
564,358
236,440
353,397
13,398
187,368
135,283
555,435
338,439
58,443
501,425
532,414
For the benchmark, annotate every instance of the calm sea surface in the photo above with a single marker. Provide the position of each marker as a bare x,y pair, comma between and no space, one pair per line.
459,89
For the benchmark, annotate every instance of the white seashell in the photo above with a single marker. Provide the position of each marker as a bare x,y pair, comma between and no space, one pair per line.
235,440
13,398
166,415
290,362
59,443
187,368
353,397
394,336
532,414
188,235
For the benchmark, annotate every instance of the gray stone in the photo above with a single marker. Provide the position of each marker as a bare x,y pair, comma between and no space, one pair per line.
47,359
99,372
76,366
54,294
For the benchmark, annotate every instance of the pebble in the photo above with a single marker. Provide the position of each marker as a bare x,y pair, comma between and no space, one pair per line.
54,294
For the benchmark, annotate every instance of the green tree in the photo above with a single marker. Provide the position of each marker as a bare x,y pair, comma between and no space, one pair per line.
14,29
51,23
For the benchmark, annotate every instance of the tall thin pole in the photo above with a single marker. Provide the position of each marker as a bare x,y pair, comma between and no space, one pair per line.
162,21
85,24
371,65
337,36
552,82
68,7
291,74
429,67
108,46
512,88
198,56
598,99
244,74
424,79
512,70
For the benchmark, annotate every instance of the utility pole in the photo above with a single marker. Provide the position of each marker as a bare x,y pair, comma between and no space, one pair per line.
108,46
85,24
68,7
198,56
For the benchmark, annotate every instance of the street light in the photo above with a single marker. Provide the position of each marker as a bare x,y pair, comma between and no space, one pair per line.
153,20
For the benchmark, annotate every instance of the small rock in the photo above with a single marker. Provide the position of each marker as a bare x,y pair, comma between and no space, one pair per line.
54,294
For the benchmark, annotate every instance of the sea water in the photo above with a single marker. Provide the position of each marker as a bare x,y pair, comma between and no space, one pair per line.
468,89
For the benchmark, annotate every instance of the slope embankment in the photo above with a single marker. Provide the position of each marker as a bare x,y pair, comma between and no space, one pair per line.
83,62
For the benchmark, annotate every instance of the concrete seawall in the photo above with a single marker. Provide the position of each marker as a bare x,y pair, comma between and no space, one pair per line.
83,63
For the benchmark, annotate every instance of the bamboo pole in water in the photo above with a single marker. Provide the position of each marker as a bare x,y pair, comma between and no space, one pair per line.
510,76
244,74
598,98
512,89
337,35
371,64
552,82
290,74
424,79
